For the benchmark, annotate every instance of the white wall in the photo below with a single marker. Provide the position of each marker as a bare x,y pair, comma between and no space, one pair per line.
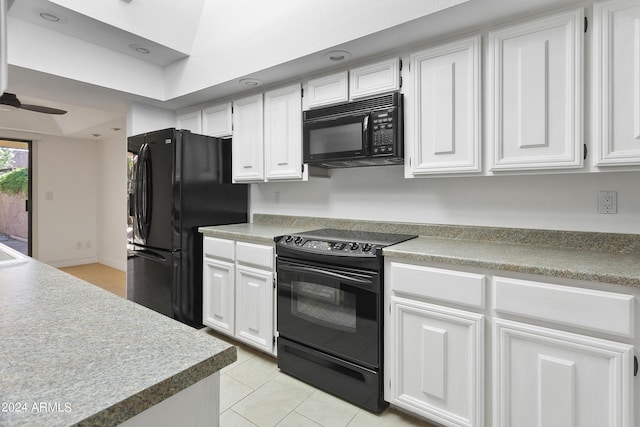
240,37
67,171
147,18
143,118
112,202
37,48
231,39
562,202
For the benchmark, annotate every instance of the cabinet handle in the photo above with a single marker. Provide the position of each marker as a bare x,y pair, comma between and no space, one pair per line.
635,366
247,167
282,164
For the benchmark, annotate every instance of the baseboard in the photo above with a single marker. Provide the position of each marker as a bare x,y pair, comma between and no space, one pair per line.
113,263
72,262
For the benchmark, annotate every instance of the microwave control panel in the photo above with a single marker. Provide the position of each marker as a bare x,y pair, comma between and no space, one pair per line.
383,132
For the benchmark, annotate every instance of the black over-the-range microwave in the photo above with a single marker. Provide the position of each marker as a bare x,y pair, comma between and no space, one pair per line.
364,132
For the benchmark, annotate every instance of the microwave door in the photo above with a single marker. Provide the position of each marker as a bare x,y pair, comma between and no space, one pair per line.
341,138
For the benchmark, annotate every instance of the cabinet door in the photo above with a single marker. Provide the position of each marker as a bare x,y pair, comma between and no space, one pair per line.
375,78
254,307
283,133
550,378
536,99
218,295
217,120
436,365
190,121
327,90
616,82
446,109
248,141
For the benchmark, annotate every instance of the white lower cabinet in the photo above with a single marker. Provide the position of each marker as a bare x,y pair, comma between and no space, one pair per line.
218,296
238,291
560,375
557,355
551,378
254,315
437,357
434,354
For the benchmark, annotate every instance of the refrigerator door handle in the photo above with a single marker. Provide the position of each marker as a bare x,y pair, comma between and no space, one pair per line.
132,204
144,192
152,256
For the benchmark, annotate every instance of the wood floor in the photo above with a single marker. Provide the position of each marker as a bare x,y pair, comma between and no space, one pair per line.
108,278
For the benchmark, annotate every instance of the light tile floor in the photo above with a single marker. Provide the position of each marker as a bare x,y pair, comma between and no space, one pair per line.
255,393
253,390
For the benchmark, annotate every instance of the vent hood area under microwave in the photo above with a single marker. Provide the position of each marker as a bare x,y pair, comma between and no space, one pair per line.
386,161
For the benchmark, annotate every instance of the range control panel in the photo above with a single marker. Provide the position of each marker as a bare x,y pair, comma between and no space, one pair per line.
323,246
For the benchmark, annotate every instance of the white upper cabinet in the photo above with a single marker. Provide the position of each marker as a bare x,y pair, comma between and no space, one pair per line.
267,136
191,121
283,133
443,132
359,82
217,120
536,93
248,141
375,78
616,82
328,90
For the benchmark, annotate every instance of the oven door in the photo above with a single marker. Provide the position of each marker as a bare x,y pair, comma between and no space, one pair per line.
339,138
333,309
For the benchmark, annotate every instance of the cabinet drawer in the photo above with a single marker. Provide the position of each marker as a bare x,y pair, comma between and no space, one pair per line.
249,253
443,285
583,308
218,248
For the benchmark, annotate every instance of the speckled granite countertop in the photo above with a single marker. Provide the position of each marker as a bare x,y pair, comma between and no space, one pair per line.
601,257
259,233
569,263
88,357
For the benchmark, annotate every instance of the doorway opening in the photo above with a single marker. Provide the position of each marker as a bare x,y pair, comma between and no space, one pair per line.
15,194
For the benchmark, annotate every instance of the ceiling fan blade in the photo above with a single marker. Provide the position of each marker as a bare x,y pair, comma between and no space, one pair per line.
42,109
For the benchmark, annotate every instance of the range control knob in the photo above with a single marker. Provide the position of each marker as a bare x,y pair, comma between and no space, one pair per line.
288,239
298,240
353,246
367,247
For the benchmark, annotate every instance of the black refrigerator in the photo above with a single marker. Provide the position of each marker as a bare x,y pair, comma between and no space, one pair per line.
178,181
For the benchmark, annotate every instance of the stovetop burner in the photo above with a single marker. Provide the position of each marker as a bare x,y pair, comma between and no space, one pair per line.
351,242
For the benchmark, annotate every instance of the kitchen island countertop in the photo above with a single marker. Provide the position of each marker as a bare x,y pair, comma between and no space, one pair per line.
75,354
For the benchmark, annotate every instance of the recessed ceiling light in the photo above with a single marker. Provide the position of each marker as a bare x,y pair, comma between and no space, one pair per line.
51,16
250,82
337,55
96,135
139,48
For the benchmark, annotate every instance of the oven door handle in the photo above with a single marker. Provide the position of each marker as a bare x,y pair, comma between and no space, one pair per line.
351,277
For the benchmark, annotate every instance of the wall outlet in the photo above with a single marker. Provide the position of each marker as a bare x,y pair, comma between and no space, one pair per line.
608,202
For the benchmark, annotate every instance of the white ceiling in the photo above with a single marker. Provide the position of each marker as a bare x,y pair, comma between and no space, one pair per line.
97,110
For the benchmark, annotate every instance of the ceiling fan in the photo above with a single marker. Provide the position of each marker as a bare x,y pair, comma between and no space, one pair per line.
12,100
